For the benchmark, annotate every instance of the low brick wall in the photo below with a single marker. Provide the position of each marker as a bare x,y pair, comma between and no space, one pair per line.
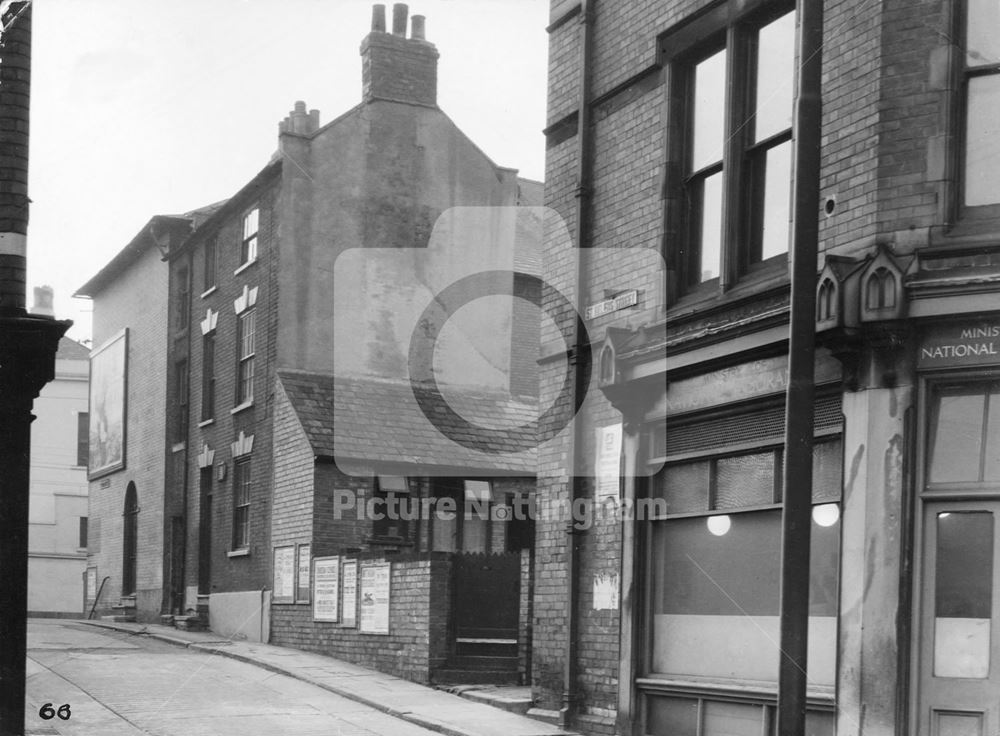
417,641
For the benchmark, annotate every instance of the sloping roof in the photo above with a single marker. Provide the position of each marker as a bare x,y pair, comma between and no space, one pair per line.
140,243
380,423
72,350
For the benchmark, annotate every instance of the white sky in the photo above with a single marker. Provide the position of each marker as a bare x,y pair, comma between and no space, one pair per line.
141,107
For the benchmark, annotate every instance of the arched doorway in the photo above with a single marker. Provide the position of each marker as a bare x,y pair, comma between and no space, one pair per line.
131,515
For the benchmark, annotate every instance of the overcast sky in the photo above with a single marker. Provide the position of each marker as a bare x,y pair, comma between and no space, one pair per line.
141,107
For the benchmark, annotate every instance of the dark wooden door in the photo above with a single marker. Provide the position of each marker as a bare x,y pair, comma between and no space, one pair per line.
487,594
129,540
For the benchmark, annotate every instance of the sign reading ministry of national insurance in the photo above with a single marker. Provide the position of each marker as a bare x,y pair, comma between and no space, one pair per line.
960,343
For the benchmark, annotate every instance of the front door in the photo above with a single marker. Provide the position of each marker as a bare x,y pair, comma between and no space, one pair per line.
959,624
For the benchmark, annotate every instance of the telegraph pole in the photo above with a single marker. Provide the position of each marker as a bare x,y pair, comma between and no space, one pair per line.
796,516
28,347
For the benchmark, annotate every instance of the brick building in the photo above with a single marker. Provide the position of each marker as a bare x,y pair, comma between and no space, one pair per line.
669,131
128,391
254,367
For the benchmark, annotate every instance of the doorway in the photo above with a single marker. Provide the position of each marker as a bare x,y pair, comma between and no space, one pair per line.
959,631
129,541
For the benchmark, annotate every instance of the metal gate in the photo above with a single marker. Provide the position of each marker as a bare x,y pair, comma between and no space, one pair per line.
486,598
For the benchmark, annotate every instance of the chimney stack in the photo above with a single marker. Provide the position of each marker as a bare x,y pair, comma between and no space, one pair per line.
299,121
395,67
43,301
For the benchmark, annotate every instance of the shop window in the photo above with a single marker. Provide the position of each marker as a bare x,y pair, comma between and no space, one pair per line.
981,71
732,85
241,504
248,243
715,577
964,444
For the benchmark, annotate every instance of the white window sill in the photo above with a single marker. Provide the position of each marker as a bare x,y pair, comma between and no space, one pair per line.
177,447
241,407
206,422
238,553
208,291
244,267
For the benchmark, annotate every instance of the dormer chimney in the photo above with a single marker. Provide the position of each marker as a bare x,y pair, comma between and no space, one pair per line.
395,67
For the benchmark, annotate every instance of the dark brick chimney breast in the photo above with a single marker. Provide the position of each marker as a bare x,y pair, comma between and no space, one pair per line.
394,67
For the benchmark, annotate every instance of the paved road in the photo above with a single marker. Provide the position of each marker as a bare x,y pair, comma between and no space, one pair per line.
124,685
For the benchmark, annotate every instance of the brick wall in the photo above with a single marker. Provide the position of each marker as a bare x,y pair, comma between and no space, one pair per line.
397,68
418,611
136,300
252,571
292,504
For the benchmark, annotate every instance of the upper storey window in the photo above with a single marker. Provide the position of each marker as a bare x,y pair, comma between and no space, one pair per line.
248,245
730,131
982,90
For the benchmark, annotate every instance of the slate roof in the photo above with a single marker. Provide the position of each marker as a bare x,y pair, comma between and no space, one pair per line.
383,424
70,349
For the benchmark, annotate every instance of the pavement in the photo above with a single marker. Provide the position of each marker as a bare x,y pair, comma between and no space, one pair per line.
435,710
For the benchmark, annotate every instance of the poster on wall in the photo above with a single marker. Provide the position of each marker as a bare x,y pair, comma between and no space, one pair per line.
91,583
107,406
349,599
302,584
326,589
284,574
608,463
375,598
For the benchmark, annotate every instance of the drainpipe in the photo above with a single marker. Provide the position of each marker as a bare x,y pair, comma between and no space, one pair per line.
796,515
580,353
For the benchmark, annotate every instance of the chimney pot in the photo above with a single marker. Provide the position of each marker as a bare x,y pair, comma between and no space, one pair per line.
43,301
417,28
399,13
300,106
378,18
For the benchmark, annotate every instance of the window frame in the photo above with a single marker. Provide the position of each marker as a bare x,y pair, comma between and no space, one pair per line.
242,482
181,403
246,358
382,526
732,27
208,379
182,317
210,265
651,684
249,240
965,73
82,439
